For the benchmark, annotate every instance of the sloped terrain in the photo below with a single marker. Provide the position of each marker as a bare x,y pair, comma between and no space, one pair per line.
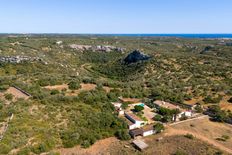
176,71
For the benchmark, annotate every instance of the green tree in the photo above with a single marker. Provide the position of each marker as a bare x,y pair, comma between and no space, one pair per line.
198,109
124,106
158,127
138,108
158,117
123,135
74,85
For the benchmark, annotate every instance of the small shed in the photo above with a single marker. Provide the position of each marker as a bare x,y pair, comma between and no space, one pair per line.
139,144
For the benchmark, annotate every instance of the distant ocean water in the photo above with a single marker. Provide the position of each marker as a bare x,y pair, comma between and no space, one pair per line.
211,36
172,35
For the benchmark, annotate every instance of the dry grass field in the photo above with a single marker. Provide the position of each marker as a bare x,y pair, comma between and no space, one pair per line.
172,144
167,146
206,130
224,104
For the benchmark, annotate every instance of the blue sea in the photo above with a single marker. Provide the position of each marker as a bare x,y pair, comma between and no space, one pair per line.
210,36
171,35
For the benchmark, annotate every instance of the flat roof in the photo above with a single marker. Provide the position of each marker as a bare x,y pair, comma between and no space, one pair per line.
140,144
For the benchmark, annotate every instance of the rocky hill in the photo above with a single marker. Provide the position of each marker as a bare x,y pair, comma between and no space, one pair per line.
136,56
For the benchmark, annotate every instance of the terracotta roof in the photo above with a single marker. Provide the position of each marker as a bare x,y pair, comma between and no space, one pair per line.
134,117
167,105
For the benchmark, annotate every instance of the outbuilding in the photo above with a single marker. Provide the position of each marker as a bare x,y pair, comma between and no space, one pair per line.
139,144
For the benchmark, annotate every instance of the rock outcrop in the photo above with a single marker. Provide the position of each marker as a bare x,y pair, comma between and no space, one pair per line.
136,56
18,59
207,49
99,48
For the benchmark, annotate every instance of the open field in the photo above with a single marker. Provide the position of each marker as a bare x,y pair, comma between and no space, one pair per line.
173,144
205,130
167,146
104,147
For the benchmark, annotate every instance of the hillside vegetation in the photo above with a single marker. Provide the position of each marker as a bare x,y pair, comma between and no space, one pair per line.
178,70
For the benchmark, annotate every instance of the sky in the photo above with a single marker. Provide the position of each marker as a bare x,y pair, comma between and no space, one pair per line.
116,16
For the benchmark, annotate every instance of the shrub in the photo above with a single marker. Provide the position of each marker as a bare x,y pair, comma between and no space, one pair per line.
230,100
9,97
5,149
54,92
179,152
122,135
226,137
198,109
223,138
219,153
1,105
74,85
24,151
183,118
189,136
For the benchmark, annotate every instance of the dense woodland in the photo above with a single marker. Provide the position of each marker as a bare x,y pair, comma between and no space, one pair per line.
179,70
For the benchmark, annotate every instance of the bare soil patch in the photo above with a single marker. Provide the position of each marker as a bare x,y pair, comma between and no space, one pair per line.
194,101
16,93
88,87
224,104
57,87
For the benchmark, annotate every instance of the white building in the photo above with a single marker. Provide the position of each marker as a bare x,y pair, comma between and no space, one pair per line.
148,130
183,112
118,108
136,122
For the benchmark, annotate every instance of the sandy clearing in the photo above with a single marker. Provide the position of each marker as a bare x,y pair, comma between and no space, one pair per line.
57,87
88,86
